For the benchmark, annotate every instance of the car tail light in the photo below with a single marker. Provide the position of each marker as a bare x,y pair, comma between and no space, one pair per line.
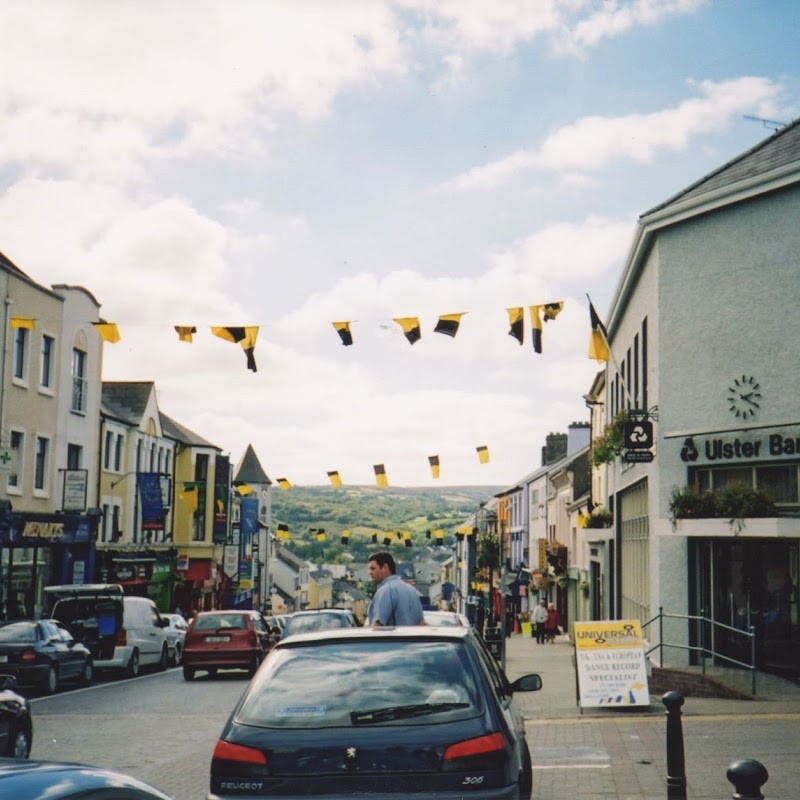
122,637
28,656
484,752
237,752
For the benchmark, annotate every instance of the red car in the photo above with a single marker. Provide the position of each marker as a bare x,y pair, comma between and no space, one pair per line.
225,640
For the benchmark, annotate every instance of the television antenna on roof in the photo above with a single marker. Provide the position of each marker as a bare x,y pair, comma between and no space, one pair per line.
772,124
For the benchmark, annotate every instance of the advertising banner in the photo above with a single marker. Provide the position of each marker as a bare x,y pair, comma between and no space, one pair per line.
610,664
152,501
222,469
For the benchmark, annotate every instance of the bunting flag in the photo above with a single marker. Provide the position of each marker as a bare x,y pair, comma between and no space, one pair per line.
29,323
108,331
483,454
343,329
245,336
406,536
243,489
189,495
598,341
387,540
439,534
284,483
407,542
185,332
515,319
434,462
345,536
380,476
536,327
283,532
374,538
582,519
320,535
410,326
398,535
428,533
552,310
460,535
448,324
335,479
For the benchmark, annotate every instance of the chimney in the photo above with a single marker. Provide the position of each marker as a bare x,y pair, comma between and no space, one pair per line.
580,436
555,447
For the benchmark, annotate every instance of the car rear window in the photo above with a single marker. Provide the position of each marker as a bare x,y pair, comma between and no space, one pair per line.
18,632
213,622
316,622
336,684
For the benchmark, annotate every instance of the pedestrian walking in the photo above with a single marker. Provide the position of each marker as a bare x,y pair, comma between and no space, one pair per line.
395,602
551,626
539,621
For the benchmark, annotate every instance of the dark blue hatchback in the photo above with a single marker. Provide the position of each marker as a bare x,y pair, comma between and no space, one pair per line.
418,712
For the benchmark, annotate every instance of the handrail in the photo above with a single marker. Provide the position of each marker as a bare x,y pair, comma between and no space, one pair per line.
701,648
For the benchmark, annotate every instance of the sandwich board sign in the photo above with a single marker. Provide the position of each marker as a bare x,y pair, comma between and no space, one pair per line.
610,664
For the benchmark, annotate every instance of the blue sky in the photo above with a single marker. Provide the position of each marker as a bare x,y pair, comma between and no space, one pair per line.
289,164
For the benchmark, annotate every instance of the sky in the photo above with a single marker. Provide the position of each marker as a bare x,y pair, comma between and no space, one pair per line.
291,164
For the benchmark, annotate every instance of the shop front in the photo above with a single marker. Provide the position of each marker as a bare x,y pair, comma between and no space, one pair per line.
41,550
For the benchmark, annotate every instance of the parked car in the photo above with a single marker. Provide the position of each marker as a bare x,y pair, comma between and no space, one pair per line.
406,712
175,630
122,632
16,727
445,618
53,780
42,654
320,619
225,640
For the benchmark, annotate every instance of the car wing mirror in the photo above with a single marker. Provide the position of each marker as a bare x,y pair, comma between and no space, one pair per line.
527,683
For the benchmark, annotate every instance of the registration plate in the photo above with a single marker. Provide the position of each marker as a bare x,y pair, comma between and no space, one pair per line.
215,639
3,659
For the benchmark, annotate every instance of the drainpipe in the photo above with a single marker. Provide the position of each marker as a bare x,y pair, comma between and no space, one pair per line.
8,302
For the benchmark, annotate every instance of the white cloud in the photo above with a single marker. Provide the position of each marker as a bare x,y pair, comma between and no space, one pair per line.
595,143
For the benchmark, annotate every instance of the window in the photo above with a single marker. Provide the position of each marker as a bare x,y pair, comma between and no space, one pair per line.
107,449
17,444
48,356
74,456
780,481
116,531
21,354
118,453
42,463
104,529
78,382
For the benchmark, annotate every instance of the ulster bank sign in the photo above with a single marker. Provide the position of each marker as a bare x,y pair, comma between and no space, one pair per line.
755,446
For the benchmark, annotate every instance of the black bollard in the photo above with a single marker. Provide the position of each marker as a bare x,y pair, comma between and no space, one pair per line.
676,763
748,776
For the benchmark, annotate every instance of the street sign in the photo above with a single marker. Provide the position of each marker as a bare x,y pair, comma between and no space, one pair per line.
638,434
637,456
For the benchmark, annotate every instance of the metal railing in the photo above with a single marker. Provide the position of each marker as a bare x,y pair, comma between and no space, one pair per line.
707,645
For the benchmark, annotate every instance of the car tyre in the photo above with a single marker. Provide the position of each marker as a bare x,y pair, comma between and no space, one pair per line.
188,673
51,682
162,662
87,673
526,774
132,670
254,666
19,744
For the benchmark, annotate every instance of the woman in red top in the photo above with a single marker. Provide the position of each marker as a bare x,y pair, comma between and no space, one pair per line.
551,626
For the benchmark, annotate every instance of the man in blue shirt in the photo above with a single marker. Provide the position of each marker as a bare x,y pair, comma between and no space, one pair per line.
395,602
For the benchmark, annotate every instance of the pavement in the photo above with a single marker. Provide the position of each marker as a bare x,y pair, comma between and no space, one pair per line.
620,752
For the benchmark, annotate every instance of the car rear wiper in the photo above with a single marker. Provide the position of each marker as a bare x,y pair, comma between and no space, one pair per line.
402,712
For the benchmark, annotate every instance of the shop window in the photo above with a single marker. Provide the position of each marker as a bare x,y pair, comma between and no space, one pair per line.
780,483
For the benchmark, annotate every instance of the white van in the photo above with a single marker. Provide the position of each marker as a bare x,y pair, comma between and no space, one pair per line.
122,632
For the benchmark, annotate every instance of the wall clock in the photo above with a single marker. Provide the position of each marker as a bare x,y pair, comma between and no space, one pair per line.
744,397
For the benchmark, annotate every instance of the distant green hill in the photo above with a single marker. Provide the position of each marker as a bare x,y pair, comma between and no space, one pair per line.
364,510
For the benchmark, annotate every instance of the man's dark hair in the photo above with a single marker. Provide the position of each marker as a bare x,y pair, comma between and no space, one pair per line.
383,559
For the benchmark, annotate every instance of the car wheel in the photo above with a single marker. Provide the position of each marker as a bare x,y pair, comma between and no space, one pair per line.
188,673
86,674
526,774
19,744
132,670
51,681
254,666
162,662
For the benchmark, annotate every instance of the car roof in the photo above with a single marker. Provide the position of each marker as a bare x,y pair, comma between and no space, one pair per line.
383,633
85,589
310,611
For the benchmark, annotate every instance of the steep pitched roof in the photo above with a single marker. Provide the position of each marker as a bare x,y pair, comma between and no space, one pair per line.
774,153
180,433
126,400
249,469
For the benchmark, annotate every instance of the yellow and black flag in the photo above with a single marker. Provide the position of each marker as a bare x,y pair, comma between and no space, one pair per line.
242,489
284,483
434,462
448,324
410,326
320,535
190,496
343,329
374,538
380,476
428,533
536,328
407,539
29,323
387,539
439,535
283,532
245,336
108,331
552,310
516,320
598,341
346,536
335,479
185,332
483,454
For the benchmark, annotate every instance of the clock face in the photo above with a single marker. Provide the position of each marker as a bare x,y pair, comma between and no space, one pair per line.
744,397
